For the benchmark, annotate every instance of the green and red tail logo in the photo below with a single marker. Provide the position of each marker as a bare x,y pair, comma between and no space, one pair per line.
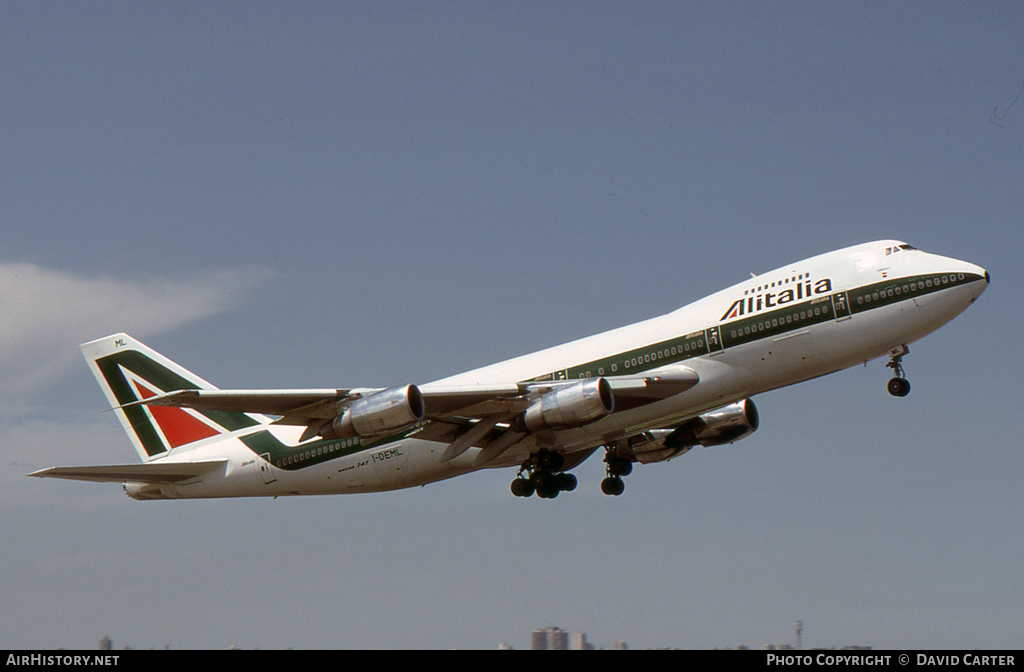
129,371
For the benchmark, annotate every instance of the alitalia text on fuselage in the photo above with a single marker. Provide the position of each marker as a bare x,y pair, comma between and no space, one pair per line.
777,293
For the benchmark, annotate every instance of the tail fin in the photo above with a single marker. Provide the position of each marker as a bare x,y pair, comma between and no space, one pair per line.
129,371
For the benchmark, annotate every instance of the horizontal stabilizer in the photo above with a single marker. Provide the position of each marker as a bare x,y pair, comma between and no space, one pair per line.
173,472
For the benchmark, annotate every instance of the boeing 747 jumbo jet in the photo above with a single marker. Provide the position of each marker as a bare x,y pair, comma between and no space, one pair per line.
647,392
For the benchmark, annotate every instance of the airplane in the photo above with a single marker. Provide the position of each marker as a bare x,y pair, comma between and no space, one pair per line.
647,392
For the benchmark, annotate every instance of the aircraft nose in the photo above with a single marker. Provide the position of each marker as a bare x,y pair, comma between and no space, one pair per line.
977,287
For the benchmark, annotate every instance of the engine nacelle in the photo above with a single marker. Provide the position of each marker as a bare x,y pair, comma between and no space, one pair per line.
379,414
721,426
715,428
570,406
651,446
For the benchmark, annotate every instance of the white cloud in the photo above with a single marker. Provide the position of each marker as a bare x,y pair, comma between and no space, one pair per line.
45,314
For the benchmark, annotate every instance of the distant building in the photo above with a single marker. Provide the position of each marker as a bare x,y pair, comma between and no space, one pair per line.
549,639
578,642
106,644
556,639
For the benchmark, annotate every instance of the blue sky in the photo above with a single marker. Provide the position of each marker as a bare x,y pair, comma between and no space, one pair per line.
352,194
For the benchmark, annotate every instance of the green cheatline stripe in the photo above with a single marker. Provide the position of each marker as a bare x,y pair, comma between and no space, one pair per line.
765,324
310,453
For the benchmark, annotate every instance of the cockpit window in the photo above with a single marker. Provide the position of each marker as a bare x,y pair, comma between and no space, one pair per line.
899,248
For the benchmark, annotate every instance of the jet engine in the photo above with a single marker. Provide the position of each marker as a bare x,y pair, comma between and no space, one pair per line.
570,406
379,414
655,445
721,426
715,428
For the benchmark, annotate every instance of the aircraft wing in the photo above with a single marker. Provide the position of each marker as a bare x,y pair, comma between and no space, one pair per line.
173,472
303,406
465,415
300,404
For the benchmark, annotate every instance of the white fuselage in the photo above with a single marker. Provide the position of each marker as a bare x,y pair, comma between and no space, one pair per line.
795,323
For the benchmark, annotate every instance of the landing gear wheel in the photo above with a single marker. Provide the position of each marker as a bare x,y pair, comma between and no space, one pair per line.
613,485
542,473
547,491
522,487
898,387
566,482
617,468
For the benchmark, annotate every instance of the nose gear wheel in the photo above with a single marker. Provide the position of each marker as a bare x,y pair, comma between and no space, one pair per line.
898,386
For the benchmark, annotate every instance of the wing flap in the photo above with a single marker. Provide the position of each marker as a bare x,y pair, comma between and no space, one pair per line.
174,472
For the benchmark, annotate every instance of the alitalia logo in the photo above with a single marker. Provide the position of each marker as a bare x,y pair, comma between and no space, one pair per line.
776,294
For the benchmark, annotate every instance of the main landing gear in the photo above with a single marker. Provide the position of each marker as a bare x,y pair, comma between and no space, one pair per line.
542,473
898,386
617,468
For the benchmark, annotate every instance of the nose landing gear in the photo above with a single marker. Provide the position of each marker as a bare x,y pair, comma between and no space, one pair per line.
898,386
